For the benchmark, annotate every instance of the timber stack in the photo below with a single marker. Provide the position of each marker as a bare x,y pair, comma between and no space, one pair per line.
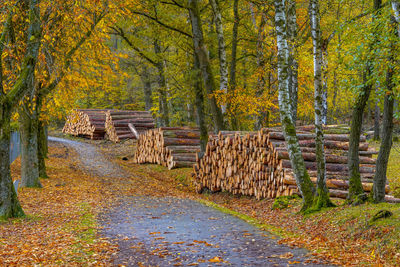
88,123
117,124
172,147
257,163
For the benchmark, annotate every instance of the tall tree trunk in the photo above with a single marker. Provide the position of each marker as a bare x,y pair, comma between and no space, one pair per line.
387,125
324,116
303,180
232,79
355,186
9,204
260,58
146,80
223,65
28,127
42,149
205,66
199,102
322,198
162,84
293,71
377,116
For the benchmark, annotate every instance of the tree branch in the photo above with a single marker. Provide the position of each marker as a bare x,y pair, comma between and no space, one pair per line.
162,23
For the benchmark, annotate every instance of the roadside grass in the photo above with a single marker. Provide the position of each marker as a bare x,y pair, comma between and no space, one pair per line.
344,235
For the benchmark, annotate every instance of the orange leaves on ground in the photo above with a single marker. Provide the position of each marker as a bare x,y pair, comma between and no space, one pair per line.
60,227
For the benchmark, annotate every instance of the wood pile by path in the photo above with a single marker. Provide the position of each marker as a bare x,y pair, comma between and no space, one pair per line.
88,123
172,147
117,124
257,163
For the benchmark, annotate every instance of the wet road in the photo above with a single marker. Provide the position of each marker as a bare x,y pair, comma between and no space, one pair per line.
169,231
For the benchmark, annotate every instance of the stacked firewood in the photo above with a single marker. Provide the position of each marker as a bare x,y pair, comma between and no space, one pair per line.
88,123
172,147
118,121
257,163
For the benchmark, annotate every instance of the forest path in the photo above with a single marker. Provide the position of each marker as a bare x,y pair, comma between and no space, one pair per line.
171,231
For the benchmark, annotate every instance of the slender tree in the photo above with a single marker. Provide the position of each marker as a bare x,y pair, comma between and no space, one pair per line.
292,42
322,198
205,66
232,78
303,180
355,186
387,125
223,65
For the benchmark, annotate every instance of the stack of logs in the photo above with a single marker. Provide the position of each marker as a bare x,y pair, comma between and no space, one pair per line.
123,124
257,163
88,123
172,147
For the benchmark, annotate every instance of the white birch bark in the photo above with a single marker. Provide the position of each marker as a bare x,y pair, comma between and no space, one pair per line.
318,97
293,71
303,181
223,65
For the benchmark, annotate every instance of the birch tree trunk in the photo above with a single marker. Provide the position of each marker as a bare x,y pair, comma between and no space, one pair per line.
206,71
303,180
223,65
387,125
322,198
324,116
293,71
355,186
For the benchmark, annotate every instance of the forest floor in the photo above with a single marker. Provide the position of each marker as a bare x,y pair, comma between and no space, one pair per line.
65,219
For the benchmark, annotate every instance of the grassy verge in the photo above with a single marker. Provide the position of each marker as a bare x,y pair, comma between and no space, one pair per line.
344,235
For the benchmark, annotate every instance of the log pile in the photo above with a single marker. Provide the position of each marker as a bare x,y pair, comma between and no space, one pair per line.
88,123
172,147
117,124
257,163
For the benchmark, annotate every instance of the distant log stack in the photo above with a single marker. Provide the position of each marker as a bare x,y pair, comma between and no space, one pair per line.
88,123
172,147
257,163
117,124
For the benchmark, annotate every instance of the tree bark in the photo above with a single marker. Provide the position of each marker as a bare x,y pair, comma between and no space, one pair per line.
377,116
355,188
303,180
147,88
387,125
28,127
293,71
205,66
9,204
42,149
260,70
232,79
322,197
162,86
199,102
223,65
